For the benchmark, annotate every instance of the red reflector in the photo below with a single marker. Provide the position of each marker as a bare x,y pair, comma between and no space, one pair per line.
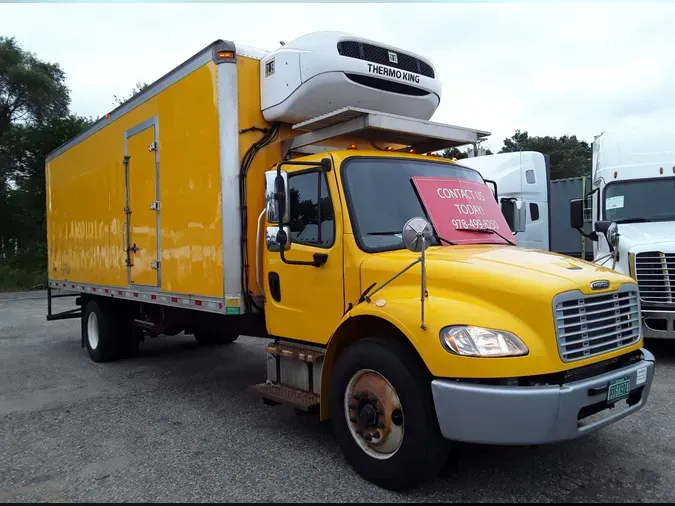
153,297
198,303
106,290
93,289
135,294
119,292
220,305
174,299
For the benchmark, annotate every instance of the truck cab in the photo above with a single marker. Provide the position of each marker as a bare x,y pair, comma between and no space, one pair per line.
503,344
632,218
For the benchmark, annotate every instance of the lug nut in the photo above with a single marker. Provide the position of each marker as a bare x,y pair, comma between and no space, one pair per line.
368,437
359,432
372,399
352,419
376,435
352,406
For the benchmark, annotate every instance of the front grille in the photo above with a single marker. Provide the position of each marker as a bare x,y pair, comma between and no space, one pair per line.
655,274
590,325
380,55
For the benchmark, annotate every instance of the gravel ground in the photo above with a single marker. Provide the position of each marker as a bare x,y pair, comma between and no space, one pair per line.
176,424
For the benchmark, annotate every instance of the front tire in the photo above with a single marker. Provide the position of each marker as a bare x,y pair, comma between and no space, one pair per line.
383,415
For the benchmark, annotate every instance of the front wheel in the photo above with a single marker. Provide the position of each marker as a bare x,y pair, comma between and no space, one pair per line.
383,415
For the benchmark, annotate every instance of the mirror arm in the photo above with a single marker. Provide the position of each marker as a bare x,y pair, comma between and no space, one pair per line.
495,184
593,236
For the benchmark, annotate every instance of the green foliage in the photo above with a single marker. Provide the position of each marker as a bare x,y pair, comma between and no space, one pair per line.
117,100
34,120
14,278
31,90
457,154
569,156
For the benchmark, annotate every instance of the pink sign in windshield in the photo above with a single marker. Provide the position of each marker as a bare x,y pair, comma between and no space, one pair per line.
456,206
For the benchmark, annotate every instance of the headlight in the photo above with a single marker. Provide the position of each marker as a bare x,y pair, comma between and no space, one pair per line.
479,342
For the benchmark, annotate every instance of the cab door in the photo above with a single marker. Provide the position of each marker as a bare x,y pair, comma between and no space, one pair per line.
142,204
303,301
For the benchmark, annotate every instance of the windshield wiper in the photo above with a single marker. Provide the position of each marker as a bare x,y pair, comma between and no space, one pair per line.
400,233
490,231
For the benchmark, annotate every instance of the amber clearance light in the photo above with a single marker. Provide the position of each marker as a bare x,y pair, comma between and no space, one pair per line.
225,55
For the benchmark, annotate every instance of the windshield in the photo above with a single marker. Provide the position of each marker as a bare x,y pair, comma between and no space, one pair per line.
640,200
382,198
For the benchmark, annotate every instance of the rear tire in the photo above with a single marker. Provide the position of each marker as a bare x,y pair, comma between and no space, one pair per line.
406,446
214,338
100,333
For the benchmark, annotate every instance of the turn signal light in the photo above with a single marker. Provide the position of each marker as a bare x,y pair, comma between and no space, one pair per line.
352,146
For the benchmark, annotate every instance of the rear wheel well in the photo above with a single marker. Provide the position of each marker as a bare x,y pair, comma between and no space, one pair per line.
351,331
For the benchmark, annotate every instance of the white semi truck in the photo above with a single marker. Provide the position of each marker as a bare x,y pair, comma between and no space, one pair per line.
623,212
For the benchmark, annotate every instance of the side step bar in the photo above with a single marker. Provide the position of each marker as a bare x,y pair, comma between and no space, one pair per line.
293,376
281,394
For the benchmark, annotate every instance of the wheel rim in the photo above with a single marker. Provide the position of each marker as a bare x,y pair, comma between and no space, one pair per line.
374,414
92,331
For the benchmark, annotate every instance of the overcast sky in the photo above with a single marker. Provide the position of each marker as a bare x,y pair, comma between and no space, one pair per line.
549,69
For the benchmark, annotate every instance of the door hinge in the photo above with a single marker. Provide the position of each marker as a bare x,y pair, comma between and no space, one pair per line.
155,205
125,161
156,264
152,146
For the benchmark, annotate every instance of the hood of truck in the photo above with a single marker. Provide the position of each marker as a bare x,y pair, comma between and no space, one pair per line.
638,237
497,268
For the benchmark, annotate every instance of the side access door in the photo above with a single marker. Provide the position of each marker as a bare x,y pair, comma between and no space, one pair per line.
142,209
305,301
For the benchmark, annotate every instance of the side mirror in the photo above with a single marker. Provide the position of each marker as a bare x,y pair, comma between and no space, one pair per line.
277,197
577,213
610,230
277,238
417,234
515,215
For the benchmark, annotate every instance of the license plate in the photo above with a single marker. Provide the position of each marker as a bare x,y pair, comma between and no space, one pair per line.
618,389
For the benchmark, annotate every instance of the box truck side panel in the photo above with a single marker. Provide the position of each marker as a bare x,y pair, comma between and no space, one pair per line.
174,187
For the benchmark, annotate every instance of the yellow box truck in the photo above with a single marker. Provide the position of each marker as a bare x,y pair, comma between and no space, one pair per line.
293,195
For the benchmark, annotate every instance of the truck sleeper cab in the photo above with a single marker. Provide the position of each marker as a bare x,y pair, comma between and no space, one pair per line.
213,204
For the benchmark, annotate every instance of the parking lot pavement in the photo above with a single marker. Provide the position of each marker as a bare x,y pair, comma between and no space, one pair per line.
176,424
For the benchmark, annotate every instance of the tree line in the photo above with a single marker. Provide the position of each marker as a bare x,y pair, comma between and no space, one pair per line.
35,118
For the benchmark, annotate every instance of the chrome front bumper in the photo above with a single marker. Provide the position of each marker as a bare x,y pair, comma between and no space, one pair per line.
508,415
658,324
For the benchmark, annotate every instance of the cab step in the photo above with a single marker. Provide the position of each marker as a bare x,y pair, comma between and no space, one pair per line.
301,353
282,394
